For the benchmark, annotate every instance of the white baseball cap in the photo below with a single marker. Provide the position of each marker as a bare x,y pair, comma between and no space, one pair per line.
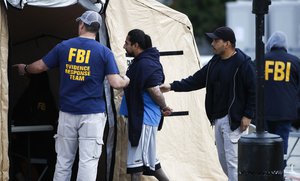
90,17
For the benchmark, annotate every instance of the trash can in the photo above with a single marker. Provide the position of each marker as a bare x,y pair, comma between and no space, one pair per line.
260,157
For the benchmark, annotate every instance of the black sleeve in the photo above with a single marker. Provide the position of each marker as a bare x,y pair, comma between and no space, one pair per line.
194,82
250,87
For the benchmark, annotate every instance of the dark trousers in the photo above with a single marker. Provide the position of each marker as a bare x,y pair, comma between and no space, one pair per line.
281,128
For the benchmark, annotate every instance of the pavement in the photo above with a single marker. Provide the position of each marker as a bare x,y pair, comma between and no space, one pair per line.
292,170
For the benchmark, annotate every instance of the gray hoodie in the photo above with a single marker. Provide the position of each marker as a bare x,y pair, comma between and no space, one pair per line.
278,40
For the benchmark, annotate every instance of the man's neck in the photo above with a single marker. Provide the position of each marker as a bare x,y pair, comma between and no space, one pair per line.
228,54
138,52
88,35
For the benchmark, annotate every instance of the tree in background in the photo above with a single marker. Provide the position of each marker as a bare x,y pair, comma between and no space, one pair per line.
205,15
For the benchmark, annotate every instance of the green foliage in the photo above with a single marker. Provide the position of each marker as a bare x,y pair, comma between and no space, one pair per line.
205,15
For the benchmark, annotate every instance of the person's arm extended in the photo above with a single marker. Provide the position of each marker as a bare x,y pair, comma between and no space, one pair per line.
159,98
117,81
34,68
191,83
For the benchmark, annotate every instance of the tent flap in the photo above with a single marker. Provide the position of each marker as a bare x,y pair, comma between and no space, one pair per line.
186,146
4,164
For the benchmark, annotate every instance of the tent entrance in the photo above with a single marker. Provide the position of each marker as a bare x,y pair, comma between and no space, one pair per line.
33,99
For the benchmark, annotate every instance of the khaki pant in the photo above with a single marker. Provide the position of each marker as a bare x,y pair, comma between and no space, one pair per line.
83,131
227,147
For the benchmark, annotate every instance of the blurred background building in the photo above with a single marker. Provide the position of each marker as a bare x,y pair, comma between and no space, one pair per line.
208,15
282,16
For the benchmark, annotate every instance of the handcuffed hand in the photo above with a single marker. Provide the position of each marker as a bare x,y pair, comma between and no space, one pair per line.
166,111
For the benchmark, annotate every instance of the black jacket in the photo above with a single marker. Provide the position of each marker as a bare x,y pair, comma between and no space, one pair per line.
242,88
281,85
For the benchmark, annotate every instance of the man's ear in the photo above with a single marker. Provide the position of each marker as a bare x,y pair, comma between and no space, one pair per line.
136,45
228,43
81,25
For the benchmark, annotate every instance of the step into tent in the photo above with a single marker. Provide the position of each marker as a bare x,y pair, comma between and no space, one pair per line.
29,29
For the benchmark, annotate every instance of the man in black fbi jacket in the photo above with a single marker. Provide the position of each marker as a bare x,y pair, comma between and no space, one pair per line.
282,77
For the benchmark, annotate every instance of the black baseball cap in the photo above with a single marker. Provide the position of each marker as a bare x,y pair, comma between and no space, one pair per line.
225,33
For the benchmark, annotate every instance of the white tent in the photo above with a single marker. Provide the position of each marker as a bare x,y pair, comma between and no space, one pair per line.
185,144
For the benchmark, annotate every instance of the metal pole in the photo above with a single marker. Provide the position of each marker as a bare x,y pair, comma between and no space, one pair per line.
260,8
259,51
260,153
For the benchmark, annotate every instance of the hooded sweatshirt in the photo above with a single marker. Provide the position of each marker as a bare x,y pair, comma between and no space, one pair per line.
145,72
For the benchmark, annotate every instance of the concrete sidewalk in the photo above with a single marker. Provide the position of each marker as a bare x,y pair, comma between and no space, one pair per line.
295,155
293,163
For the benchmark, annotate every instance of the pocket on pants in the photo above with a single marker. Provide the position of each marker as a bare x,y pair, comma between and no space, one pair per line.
97,148
235,135
56,138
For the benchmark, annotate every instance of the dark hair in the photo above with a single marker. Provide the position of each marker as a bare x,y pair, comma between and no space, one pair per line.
138,36
93,28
